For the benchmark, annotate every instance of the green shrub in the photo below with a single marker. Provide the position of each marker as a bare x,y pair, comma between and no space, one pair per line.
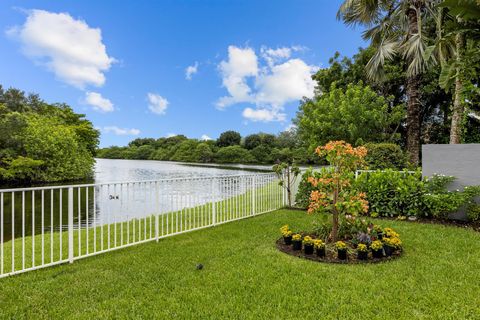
22,168
305,188
262,154
185,151
438,183
440,205
203,153
473,212
58,146
473,208
385,156
234,154
393,193
440,202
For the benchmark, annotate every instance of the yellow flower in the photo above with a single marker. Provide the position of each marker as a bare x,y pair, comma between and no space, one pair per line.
297,237
362,247
340,245
318,244
307,240
286,232
377,245
394,242
390,233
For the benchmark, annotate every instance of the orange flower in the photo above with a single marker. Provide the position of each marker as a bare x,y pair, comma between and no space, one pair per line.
312,181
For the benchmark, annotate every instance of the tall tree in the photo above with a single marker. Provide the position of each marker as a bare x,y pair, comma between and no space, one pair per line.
42,142
456,47
252,141
396,27
356,114
229,138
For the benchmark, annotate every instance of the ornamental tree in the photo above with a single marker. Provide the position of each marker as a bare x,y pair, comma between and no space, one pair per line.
333,191
287,173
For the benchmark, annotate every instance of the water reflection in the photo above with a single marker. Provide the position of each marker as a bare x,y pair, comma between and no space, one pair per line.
107,170
30,212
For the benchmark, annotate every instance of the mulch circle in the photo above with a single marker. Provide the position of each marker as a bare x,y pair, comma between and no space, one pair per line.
331,255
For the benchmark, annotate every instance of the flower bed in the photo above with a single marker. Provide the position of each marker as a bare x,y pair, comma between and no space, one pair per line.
375,245
344,238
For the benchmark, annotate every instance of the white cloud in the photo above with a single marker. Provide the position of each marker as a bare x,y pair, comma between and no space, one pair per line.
263,115
284,52
242,63
286,82
273,56
191,70
98,102
70,48
169,135
121,131
268,86
204,137
156,103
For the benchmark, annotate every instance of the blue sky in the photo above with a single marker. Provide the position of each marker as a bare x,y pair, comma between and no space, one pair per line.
124,63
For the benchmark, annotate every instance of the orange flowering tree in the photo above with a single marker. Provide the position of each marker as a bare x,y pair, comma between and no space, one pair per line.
333,192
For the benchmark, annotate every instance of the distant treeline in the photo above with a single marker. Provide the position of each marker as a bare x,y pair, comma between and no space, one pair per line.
230,147
41,142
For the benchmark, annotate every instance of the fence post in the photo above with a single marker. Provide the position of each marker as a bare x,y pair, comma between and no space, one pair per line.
70,225
253,194
156,211
214,211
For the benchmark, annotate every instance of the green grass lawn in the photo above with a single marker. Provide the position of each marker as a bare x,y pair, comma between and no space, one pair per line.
245,277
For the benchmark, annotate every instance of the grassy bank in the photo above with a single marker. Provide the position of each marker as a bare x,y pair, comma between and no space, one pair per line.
245,277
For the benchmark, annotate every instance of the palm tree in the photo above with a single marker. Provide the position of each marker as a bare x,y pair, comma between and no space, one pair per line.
458,107
396,27
451,50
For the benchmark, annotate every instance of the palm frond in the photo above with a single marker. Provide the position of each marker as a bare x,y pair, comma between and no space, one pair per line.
414,52
447,75
385,51
465,9
363,12
431,55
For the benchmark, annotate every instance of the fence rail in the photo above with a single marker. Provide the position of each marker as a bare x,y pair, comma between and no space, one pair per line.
45,226
358,172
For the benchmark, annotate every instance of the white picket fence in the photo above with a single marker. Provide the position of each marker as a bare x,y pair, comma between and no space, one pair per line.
46,226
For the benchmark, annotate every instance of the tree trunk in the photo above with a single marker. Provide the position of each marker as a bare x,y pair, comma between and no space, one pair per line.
457,116
335,212
289,192
413,119
413,97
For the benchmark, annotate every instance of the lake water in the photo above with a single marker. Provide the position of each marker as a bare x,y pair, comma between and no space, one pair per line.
113,170
133,194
